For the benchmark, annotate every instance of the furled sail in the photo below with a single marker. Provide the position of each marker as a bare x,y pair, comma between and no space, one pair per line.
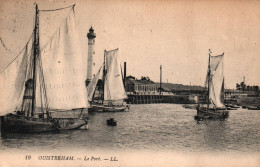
92,85
63,68
113,87
216,81
12,82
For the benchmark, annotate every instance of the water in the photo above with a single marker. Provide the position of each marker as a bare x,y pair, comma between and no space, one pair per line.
150,127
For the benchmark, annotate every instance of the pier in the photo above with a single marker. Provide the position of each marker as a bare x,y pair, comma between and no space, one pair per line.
165,97
144,98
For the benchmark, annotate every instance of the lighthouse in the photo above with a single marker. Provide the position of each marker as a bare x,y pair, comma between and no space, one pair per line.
91,51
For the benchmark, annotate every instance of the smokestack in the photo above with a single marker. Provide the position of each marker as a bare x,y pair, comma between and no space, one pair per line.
125,74
160,79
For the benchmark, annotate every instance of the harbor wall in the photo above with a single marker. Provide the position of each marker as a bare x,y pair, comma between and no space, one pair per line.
144,99
147,99
178,99
249,101
165,97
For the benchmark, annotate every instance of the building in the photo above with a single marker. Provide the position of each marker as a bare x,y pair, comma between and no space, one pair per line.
144,85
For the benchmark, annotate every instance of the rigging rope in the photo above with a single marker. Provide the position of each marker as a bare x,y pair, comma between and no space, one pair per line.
72,6
18,54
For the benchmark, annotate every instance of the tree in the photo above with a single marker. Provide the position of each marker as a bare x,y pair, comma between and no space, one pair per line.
243,86
145,78
256,89
248,88
238,86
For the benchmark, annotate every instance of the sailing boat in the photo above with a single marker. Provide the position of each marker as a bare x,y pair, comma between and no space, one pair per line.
42,83
215,83
111,92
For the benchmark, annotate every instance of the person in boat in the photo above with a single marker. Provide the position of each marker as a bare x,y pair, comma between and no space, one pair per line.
20,113
198,108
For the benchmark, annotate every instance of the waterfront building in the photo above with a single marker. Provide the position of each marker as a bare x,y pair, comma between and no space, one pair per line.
143,85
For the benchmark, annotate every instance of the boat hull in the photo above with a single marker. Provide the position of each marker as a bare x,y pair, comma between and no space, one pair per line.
21,124
70,124
253,108
212,114
101,108
190,106
232,106
114,109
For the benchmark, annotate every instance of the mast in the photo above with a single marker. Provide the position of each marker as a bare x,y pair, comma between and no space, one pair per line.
122,75
160,79
35,56
208,78
223,84
104,76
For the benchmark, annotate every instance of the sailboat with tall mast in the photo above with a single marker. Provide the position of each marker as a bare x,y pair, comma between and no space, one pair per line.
215,108
44,81
111,91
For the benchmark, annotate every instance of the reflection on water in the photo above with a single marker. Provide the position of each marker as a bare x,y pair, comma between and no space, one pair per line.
163,127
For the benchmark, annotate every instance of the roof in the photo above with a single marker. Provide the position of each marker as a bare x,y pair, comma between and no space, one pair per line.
140,82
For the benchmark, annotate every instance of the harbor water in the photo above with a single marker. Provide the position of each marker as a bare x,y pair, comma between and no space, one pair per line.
150,127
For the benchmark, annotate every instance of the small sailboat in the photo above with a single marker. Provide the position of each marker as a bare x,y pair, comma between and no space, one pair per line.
45,81
231,106
215,83
111,91
253,107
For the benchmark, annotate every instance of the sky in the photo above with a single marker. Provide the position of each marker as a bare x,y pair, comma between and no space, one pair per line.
175,34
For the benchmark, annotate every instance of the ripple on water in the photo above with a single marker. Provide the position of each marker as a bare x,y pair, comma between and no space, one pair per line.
151,127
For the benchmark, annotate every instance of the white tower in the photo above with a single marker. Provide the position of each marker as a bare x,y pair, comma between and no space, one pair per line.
91,51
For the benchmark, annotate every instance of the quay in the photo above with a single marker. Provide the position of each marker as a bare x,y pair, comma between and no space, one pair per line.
143,98
145,91
164,97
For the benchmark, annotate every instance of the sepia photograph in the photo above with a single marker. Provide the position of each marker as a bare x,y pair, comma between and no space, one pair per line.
133,83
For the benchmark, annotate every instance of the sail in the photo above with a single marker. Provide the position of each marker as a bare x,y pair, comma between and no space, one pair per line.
92,85
216,81
63,68
113,87
12,82
110,55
